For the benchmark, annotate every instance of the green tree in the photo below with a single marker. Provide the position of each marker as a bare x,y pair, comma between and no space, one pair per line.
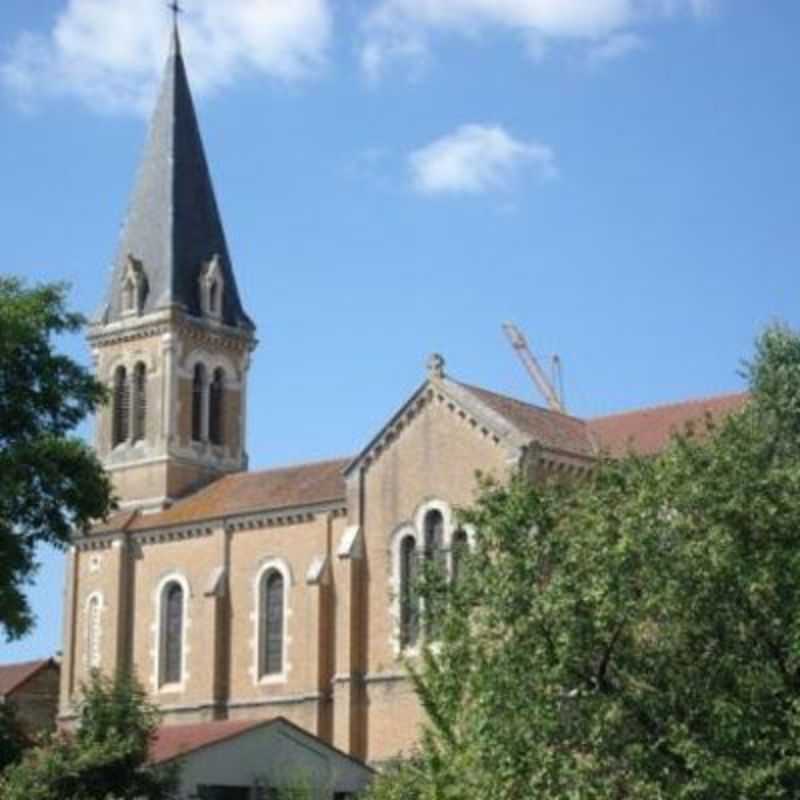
51,482
636,635
12,738
104,759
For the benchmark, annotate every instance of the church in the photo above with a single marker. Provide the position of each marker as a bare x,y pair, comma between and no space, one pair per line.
245,596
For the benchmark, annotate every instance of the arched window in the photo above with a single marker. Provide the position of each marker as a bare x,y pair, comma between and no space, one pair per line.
460,549
216,408
434,537
172,633
122,407
409,599
139,401
198,392
435,558
271,623
93,610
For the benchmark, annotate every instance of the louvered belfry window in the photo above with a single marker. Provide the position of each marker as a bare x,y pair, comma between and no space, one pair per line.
216,408
409,599
139,402
198,391
172,633
122,407
272,589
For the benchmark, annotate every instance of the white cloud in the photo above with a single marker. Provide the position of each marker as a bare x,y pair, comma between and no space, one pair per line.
616,46
392,24
475,159
110,54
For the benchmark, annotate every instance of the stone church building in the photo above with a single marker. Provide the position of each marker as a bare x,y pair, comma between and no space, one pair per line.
240,595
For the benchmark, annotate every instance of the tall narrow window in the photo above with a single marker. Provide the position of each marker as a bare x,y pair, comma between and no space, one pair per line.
272,599
139,402
460,550
213,297
434,557
216,408
122,407
434,536
172,633
198,393
93,610
409,600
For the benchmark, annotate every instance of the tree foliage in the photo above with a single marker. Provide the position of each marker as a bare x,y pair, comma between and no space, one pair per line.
636,635
50,480
105,758
13,740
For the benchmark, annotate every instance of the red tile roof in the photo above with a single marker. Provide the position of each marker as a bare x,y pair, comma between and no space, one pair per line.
284,487
648,430
172,741
12,676
549,428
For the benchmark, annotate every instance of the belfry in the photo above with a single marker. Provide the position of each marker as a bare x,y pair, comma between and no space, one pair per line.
171,339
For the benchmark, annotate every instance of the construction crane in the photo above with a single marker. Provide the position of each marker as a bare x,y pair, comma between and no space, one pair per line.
554,398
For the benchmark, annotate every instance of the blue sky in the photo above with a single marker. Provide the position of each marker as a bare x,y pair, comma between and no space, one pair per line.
397,177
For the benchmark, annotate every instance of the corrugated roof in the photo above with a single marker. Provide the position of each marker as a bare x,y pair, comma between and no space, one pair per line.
285,487
549,428
172,741
173,226
12,676
648,430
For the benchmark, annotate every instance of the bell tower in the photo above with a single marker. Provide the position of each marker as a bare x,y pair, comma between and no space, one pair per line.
171,340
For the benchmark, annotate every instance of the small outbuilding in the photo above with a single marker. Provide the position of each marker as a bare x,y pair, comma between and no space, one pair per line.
32,688
257,760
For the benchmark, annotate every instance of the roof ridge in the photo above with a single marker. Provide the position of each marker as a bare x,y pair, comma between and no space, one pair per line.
294,465
674,404
469,387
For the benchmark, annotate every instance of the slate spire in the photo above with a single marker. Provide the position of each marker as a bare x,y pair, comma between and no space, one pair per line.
173,227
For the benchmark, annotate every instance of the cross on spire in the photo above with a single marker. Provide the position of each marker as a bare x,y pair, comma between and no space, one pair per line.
176,9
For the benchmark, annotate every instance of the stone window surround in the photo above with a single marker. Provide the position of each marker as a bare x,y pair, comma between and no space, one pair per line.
416,529
158,632
271,563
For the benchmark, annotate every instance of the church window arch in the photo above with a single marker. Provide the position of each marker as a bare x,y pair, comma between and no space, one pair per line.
198,401
120,417
271,622
216,408
272,612
171,633
139,402
408,596
434,553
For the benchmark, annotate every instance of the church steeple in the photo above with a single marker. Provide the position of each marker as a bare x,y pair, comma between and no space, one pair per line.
173,229
172,341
